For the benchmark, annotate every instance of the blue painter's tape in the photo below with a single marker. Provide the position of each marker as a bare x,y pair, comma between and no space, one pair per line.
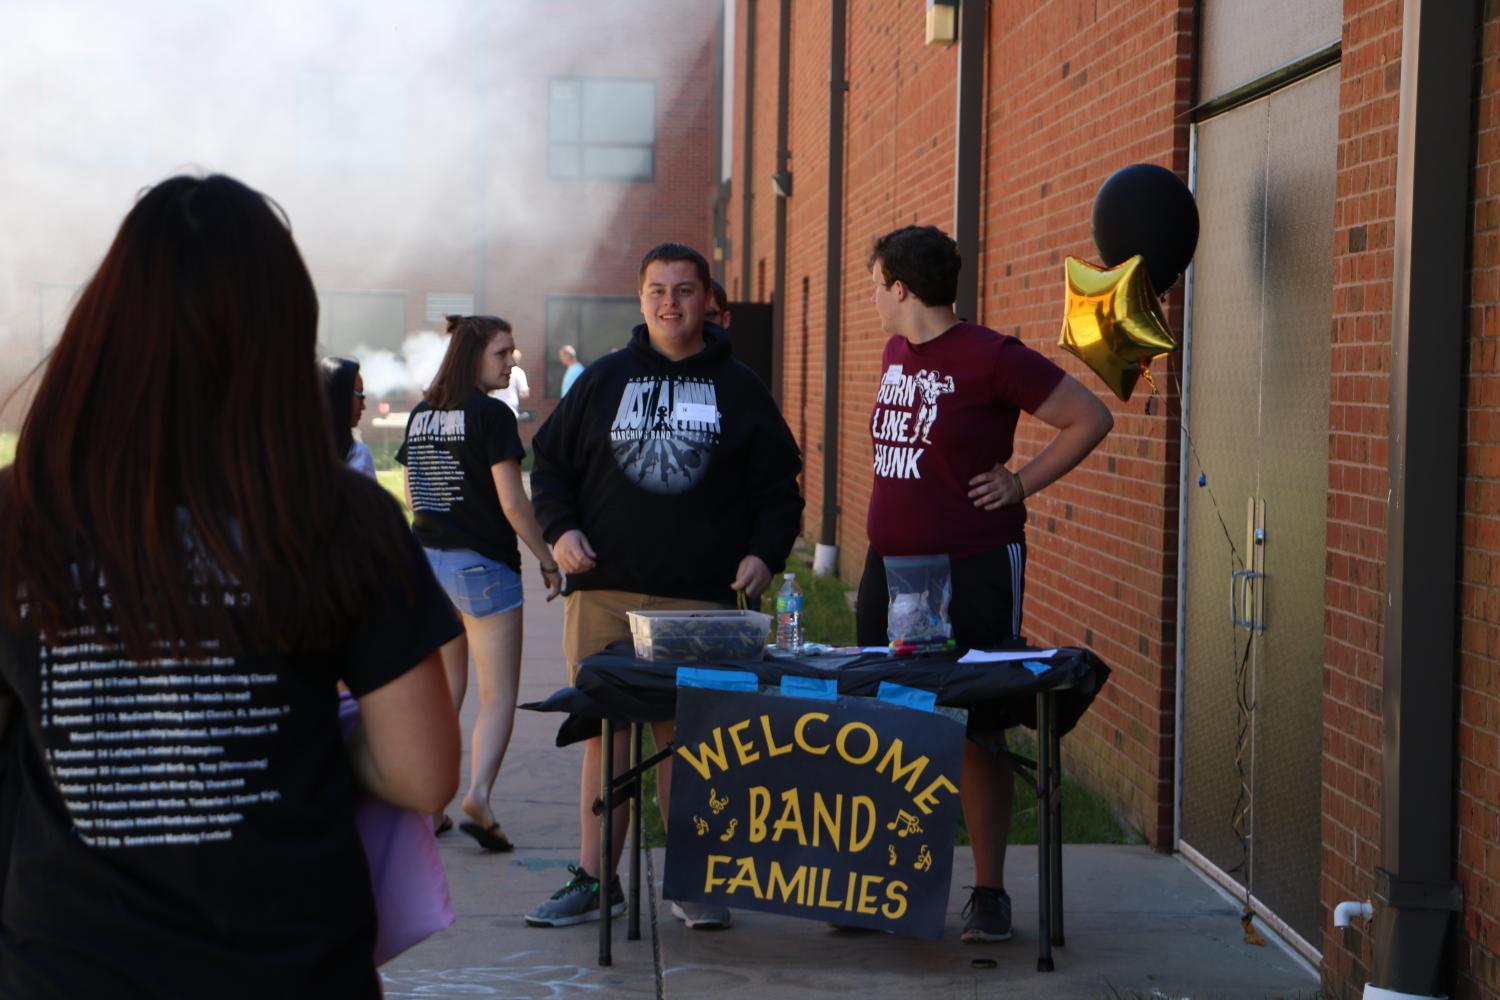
1036,667
825,688
719,680
910,697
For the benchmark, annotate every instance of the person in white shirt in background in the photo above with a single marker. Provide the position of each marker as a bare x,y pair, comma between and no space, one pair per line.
518,391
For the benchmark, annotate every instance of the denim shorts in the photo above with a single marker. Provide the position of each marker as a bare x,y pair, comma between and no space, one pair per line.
477,586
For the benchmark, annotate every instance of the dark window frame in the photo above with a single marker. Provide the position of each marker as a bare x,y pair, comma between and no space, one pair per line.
588,351
583,144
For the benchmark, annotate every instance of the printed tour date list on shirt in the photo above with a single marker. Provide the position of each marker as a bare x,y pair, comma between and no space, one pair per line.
169,751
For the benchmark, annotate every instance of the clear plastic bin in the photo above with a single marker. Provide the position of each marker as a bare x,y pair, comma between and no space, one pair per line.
694,636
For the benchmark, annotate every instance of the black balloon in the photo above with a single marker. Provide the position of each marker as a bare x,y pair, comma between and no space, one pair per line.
1146,209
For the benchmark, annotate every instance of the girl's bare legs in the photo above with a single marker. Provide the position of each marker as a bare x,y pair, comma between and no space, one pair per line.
495,642
455,655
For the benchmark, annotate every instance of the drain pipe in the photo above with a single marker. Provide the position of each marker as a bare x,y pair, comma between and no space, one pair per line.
781,184
1414,886
969,129
826,555
747,152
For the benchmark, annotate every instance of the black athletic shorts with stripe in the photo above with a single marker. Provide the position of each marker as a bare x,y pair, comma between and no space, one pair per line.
985,610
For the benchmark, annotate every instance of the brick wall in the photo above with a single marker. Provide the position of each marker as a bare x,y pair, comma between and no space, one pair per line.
899,155
899,171
1364,234
807,254
1103,541
1369,88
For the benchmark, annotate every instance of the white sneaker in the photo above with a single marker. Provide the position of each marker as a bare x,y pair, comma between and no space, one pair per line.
702,916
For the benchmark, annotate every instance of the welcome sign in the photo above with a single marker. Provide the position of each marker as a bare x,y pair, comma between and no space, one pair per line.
830,808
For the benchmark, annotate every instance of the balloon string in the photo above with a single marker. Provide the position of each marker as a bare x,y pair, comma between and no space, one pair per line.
1146,374
1244,711
1203,479
1244,708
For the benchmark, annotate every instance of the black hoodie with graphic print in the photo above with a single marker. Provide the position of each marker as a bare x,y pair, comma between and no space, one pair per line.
674,471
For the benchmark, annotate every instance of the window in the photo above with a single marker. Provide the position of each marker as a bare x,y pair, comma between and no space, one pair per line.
441,305
602,129
352,321
593,324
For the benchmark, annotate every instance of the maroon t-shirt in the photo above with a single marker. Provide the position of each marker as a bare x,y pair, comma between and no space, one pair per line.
945,412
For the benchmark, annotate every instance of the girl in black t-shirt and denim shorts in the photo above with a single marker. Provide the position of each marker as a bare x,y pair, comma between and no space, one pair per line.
470,510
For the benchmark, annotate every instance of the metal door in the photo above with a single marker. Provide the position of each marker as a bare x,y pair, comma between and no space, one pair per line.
1257,417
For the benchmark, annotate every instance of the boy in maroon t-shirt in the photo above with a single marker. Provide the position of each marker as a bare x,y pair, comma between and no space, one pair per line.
944,426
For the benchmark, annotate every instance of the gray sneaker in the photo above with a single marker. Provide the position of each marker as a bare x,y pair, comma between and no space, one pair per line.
577,901
702,916
988,913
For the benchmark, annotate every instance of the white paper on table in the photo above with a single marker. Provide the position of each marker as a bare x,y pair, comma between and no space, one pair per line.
1006,656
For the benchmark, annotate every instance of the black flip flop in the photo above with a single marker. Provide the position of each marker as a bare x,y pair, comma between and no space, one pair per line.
491,838
444,825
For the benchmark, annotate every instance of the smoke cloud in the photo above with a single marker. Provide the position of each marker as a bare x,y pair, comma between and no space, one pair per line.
407,142
408,373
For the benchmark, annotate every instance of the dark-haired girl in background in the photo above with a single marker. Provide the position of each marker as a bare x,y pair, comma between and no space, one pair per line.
463,483
346,401
185,575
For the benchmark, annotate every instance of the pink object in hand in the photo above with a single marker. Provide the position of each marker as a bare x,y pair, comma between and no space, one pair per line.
406,871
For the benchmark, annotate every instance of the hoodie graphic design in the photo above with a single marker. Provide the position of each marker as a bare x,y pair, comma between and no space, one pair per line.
665,432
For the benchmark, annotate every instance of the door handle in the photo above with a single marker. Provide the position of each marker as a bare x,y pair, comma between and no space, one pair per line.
1243,593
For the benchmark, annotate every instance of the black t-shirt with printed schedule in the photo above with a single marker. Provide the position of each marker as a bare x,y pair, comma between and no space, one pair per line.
184,826
448,456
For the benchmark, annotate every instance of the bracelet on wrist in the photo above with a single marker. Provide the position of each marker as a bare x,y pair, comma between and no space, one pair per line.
551,569
1020,486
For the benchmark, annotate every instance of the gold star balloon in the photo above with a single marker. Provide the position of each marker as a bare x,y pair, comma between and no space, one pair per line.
1114,323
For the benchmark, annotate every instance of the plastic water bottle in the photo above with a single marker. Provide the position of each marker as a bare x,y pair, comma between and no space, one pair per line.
789,616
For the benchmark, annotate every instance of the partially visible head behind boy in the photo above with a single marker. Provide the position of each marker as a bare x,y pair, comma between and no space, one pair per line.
718,306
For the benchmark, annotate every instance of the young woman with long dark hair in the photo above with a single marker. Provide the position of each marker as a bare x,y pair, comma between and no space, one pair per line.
186,574
346,399
463,483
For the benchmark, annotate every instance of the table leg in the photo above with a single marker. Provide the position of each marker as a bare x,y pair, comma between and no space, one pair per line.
633,932
1045,833
1054,791
607,837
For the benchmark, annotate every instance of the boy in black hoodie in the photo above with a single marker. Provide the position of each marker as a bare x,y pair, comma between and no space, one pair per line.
665,480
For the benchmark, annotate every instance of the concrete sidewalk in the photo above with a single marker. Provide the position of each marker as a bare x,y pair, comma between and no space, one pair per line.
1139,924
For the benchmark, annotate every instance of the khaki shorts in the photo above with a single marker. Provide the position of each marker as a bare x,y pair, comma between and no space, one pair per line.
592,619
